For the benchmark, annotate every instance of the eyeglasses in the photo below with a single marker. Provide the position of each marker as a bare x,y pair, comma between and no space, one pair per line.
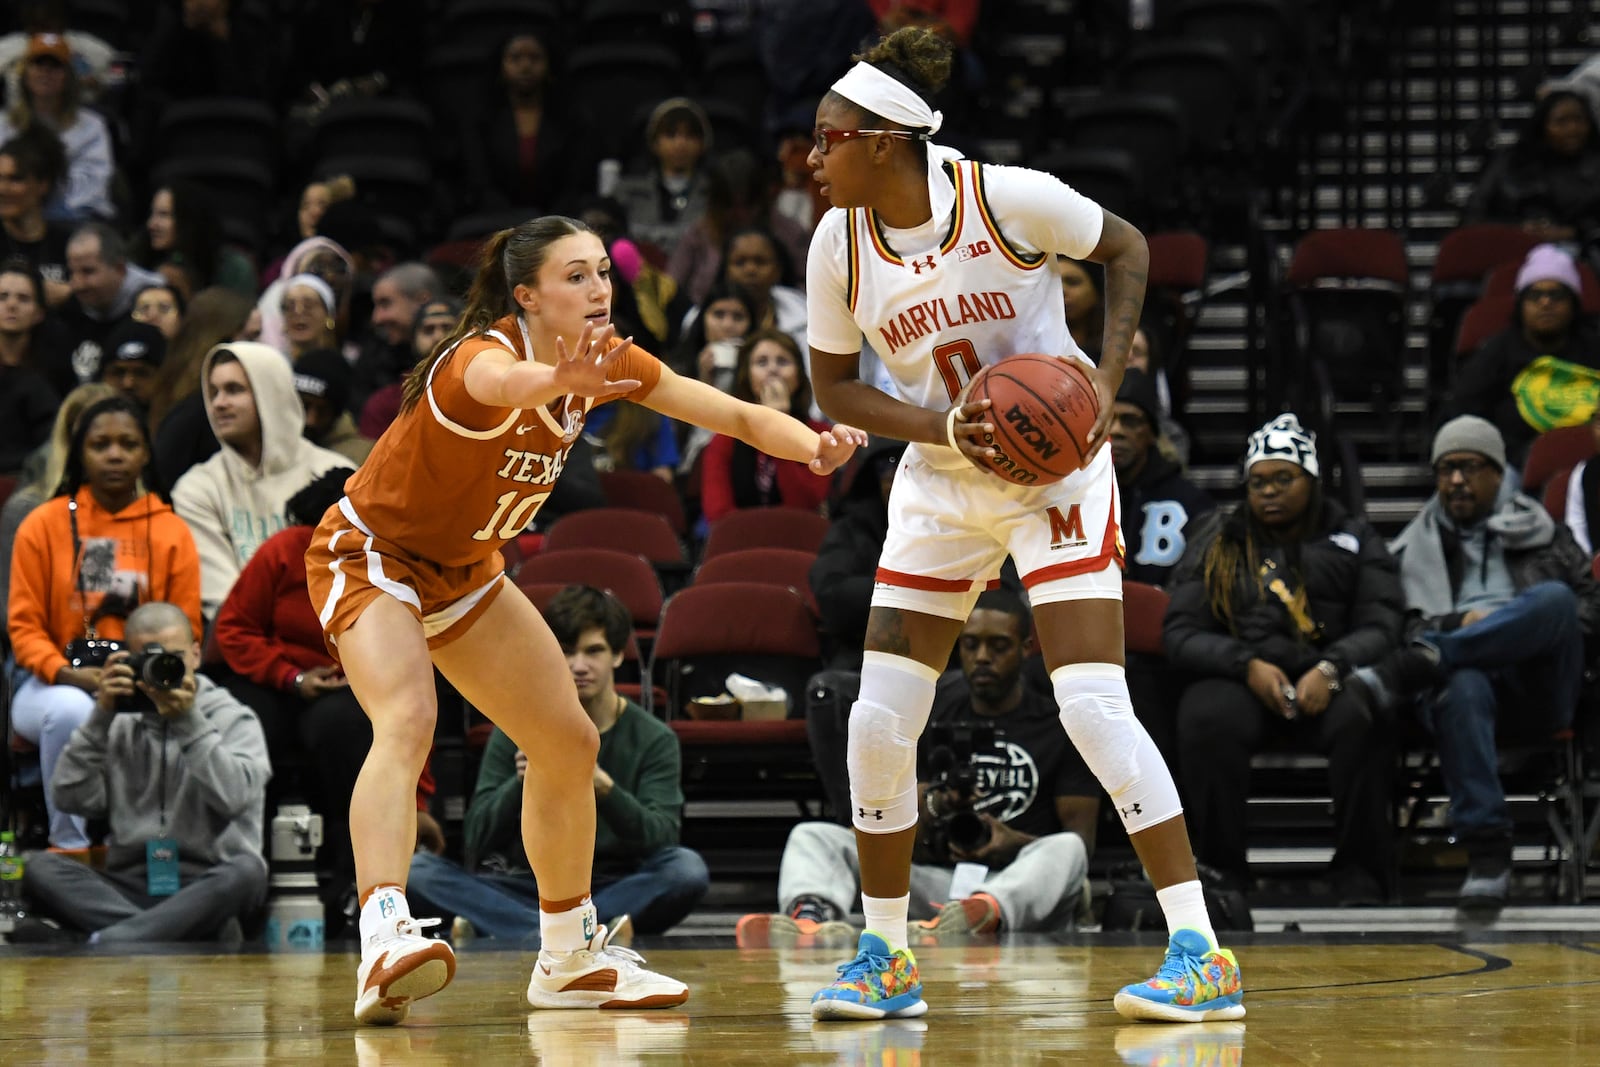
826,138
295,307
1260,483
1447,469
1558,295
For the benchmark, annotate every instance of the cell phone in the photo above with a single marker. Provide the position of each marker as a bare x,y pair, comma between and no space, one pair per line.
1292,700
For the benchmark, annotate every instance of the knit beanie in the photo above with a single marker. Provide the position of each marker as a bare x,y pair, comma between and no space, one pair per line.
1548,263
1469,433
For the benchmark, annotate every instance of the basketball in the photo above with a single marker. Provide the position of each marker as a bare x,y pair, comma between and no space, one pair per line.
1043,409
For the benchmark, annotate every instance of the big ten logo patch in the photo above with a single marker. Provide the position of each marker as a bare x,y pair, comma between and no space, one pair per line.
1066,531
1161,540
973,251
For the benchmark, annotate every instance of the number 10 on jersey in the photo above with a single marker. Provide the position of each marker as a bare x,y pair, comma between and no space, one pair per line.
516,517
957,362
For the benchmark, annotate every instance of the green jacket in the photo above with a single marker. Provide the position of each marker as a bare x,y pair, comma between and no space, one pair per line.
641,815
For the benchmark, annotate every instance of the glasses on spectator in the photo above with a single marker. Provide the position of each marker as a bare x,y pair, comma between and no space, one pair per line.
1260,483
1447,469
826,138
1556,295
295,307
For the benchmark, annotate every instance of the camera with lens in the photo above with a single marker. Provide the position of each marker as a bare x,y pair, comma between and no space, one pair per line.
956,825
156,668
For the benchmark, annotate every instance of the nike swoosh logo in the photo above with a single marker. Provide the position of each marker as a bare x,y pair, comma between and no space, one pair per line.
543,968
525,429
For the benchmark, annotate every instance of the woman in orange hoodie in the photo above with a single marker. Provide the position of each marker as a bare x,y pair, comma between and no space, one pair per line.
82,561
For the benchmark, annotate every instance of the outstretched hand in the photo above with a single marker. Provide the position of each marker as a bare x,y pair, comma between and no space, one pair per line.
583,371
834,447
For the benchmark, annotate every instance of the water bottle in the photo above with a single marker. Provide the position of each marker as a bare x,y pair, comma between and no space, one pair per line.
294,913
11,867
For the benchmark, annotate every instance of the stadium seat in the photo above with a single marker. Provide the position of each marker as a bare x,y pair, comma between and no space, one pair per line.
611,79
231,127
624,529
732,71
787,567
1144,607
1482,320
1554,496
1108,176
765,528
1149,127
626,575
645,492
1261,34
1466,256
708,632
624,21
1554,451
1201,77
374,126
241,190
392,185
483,26
1346,299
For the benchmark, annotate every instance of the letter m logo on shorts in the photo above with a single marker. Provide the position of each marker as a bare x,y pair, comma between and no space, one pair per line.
1066,532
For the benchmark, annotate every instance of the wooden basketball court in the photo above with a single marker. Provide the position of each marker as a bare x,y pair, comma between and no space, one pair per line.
1504,999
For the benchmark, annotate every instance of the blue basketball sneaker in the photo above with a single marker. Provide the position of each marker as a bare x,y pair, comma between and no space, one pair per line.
877,984
1196,984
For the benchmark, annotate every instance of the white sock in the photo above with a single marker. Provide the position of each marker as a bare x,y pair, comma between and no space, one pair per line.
1184,905
570,930
886,917
385,905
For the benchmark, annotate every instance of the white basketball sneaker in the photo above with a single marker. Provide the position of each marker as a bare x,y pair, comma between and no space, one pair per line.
601,975
399,967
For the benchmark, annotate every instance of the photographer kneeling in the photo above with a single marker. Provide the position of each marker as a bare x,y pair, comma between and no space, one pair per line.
999,786
179,769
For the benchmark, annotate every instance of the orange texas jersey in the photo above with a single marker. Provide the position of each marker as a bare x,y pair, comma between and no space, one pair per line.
452,479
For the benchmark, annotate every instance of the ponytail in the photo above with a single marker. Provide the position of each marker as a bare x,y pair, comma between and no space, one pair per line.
516,253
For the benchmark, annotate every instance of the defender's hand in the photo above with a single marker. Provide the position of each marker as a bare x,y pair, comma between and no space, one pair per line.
583,370
835,447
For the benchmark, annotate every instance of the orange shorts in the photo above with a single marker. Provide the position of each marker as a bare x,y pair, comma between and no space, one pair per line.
348,567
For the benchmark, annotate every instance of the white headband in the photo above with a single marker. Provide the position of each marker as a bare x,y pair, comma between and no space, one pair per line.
866,86
323,290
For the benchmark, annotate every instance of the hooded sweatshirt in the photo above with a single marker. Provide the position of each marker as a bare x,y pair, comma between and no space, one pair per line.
232,507
199,777
271,313
142,553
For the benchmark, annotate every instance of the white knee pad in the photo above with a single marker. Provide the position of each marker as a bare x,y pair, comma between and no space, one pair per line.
885,723
1099,719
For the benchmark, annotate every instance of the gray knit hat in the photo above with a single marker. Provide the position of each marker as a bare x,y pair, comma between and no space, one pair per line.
1469,433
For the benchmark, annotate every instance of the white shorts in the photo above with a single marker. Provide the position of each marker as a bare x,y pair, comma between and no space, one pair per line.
951,530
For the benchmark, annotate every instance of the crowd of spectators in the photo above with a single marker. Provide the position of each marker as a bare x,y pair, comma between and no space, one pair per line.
158,344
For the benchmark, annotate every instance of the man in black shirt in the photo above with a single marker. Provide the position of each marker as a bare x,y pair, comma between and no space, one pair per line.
1002,792
32,164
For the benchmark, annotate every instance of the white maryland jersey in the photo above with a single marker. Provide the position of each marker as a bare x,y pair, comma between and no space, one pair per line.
979,288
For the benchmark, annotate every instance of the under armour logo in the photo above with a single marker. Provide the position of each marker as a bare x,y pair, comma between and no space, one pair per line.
876,813
918,264
1134,810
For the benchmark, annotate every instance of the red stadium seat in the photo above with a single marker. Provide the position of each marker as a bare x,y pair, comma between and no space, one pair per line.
1144,608
1487,317
1554,451
623,529
765,528
1554,497
626,575
788,567
645,492
710,631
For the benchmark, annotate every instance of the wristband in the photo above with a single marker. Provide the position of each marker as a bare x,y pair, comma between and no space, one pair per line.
950,427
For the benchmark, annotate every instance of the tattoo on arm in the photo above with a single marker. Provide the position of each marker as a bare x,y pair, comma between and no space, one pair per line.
1125,285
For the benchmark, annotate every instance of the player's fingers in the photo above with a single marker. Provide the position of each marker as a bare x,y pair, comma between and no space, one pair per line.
599,341
622,385
974,408
608,358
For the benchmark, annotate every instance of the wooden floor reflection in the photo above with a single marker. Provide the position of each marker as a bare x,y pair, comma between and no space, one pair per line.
1527,1001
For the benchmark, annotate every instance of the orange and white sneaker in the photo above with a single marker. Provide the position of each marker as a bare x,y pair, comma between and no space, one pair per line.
961,920
398,968
600,975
